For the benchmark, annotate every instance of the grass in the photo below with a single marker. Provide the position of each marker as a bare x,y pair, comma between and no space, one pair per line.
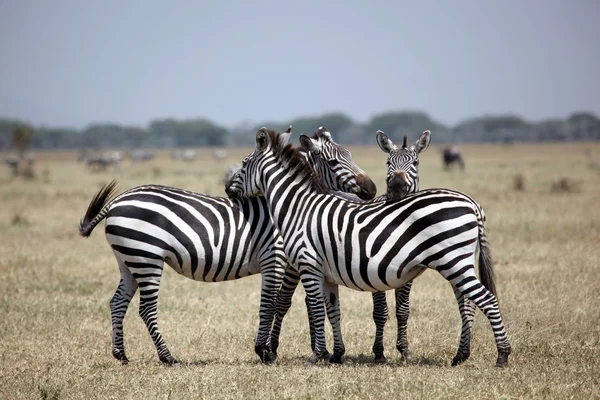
55,326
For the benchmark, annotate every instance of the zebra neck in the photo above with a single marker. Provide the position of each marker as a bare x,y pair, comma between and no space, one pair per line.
286,192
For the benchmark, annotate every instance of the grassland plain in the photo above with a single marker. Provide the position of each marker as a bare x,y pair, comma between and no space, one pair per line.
55,286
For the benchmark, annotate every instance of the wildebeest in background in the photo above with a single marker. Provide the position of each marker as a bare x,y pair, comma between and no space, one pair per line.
183,155
233,168
140,155
451,155
100,161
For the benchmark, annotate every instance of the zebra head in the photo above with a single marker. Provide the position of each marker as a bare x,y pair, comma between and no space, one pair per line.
247,181
402,164
331,163
334,165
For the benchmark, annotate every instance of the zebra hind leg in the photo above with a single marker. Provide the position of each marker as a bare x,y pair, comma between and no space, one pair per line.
380,316
148,277
402,313
283,304
313,285
464,280
467,312
271,280
118,307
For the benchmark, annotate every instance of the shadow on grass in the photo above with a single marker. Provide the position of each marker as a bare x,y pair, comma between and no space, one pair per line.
368,361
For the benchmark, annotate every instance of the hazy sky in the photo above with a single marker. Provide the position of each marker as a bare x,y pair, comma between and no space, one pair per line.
75,62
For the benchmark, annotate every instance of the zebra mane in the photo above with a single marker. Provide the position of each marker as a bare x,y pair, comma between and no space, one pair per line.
291,158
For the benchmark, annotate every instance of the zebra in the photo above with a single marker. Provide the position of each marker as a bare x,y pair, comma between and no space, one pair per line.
373,247
184,155
233,168
140,155
202,237
451,155
402,178
100,160
219,154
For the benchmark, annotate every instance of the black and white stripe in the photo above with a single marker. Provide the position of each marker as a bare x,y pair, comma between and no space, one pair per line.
368,247
205,238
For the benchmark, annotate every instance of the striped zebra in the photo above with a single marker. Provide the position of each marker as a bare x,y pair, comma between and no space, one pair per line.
402,179
202,237
370,246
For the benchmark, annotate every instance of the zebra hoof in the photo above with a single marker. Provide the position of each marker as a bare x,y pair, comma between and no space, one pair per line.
380,359
265,354
502,360
119,355
336,359
406,354
315,358
169,361
404,351
460,358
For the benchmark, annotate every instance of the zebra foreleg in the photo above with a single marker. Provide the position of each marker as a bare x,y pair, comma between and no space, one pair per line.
118,307
467,312
380,316
313,285
332,303
402,312
149,284
271,281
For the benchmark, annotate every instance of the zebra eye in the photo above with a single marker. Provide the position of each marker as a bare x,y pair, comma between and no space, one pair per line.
333,162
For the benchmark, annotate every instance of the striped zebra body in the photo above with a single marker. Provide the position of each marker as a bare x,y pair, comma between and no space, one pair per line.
368,247
205,238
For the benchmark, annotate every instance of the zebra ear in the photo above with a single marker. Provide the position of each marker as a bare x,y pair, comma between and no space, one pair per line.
262,139
310,144
423,141
285,136
324,133
384,143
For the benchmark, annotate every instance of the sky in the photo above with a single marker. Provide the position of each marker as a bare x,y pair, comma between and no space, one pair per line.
72,62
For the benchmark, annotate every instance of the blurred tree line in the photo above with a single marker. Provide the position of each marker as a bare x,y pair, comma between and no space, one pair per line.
202,132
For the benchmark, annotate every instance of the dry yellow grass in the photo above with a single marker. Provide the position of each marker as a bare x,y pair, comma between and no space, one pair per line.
55,286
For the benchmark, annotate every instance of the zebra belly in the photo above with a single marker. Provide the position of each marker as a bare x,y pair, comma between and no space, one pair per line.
142,242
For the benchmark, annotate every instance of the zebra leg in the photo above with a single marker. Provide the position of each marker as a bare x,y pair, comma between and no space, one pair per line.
380,316
464,280
402,312
283,304
313,285
332,303
271,279
118,307
148,277
467,312
311,322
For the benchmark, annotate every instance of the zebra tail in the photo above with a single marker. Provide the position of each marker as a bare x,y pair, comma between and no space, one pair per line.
97,209
486,264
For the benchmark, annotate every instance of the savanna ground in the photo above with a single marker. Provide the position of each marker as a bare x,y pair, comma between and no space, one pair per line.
55,332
